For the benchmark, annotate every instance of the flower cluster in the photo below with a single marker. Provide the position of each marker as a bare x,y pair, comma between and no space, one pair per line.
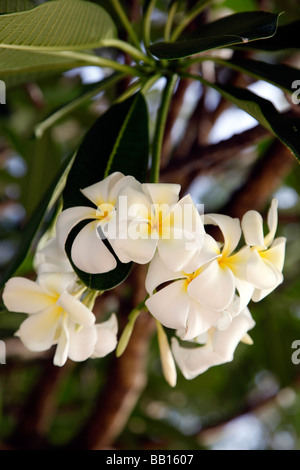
59,309
198,287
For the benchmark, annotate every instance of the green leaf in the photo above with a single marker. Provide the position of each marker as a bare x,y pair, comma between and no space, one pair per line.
287,129
18,66
118,141
286,37
278,74
238,6
11,6
35,221
57,26
229,31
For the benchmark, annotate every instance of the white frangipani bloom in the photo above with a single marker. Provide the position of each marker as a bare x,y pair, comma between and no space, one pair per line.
215,285
155,219
173,306
89,252
51,258
56,316
265,263
219,347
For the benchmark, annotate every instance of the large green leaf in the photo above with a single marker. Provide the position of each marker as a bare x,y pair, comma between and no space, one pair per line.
57,25
286,37
118,141
278,74
18,66
287,129
10,6
35,221
229,31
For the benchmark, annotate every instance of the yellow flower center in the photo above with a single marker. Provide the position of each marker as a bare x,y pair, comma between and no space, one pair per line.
190,277
160,221
104,212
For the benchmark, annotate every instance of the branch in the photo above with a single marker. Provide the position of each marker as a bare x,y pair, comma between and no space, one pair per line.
126,380
173,114
264,178
205,158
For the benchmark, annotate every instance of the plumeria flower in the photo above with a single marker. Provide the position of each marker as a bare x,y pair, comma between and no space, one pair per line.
89,253
219,346
215,285
56,316
173,305
155,219
52,258
265,264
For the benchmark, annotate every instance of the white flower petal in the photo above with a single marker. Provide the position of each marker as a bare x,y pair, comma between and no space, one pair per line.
133,205
245,290
140,250
23,295
274,258
272,222
37,332
89,252
209,251
177,253
55,283
187,217
106,337
260,294
51,258
225,342
98,193
110,324
158,273
230,229
62,349
82,342
225,322
214,287
193,362
238,262
78,312
199,321
69,218
125,182
170,306
252,225
162,193
261,273
276,253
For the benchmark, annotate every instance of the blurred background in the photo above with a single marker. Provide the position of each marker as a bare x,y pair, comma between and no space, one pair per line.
228,163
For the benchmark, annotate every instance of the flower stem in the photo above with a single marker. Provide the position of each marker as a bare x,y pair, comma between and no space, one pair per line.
126,23
126,335
169,22
147,23
90,298
193,13
149,83
160,127
100,61
129,49
77,103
